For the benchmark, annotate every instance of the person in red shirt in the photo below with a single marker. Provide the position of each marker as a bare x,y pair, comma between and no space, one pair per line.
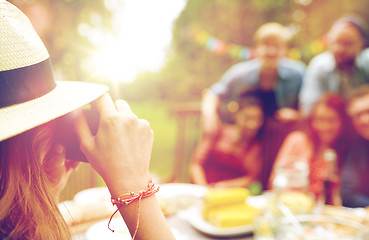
232,157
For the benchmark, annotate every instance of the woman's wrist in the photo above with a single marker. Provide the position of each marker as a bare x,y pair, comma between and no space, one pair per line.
129,197
119,185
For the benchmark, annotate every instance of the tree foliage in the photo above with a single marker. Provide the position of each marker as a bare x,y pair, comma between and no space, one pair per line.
58,23
190,67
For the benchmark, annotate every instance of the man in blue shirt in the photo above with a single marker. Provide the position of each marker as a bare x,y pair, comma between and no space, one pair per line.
342,67
276,79
355,178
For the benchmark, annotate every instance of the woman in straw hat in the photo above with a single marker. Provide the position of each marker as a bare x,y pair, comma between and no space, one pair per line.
33,164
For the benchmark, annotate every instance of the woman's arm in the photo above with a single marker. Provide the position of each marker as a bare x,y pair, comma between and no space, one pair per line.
252,165
199,157
120,152
210,117
296,147
198,174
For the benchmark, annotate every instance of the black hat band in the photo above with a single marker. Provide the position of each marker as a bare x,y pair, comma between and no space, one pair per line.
26,83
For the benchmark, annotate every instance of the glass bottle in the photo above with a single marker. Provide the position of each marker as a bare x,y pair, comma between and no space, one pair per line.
290,187
331,177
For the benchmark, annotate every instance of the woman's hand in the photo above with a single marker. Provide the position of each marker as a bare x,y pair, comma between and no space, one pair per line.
120,152
287,115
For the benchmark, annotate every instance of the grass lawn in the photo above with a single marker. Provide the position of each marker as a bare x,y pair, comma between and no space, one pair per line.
165,127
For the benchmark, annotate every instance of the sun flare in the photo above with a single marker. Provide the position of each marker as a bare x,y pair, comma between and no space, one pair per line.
141,38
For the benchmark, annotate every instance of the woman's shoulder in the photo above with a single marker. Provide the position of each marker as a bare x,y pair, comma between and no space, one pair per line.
229,132
297,145
297,136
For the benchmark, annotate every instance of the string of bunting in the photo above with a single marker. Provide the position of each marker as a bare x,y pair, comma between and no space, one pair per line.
221,47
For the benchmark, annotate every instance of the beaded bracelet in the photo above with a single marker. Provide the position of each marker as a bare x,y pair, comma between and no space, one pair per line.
130,197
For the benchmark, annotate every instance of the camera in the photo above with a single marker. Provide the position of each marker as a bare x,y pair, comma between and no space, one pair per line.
65,133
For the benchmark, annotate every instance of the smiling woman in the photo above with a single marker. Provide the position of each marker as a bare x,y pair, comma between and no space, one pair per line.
141,34
322,145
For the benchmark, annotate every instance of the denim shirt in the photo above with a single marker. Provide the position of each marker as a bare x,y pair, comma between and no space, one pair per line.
322,76
245,75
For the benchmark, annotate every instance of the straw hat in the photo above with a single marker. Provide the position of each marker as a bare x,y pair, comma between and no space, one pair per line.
29,95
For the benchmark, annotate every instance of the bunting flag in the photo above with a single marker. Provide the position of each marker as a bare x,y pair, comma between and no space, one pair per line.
220,47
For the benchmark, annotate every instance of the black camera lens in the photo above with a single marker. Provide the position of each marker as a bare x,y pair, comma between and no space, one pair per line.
65,133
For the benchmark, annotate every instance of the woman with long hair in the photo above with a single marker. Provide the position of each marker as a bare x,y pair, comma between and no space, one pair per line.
322,145
28,194
35,164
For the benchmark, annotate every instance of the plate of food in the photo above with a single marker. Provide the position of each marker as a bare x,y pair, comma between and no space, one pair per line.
197,221
78,211
321,227
175,197
223,213
360,215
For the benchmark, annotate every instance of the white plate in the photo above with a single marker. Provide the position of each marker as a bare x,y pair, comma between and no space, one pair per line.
194,217
100,230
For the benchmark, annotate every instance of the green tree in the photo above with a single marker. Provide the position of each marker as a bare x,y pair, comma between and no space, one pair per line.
192,67
64,26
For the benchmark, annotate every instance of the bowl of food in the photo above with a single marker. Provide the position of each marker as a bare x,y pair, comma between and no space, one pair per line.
321,227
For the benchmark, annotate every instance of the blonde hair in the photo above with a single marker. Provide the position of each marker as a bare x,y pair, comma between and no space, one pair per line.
29,208
272,29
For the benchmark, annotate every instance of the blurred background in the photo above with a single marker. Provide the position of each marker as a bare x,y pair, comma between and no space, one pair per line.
161,55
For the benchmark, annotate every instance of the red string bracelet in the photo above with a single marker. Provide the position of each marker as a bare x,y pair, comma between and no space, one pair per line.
130,197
